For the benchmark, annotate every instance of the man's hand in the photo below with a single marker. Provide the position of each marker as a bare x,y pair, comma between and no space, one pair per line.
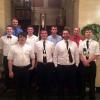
31,68
86,63
11,74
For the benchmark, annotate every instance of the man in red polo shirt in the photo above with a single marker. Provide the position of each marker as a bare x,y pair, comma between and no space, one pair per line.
76,37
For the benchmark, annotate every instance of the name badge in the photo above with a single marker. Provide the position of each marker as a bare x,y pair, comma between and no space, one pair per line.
85,52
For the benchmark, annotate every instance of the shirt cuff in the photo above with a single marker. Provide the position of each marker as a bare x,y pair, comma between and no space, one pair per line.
77,65
55,65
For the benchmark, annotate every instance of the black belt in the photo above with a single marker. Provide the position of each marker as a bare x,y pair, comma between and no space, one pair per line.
44,63
65,65
22,67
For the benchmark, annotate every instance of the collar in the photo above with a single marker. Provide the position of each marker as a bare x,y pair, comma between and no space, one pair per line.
9,36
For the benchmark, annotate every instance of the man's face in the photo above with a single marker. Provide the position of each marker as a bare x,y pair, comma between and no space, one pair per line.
44,35
30,30
22,39
76,31
9,30
54,30
88,34
66,35
14,23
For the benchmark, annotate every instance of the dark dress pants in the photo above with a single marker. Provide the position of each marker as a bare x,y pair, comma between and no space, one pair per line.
45,79
87,77
66,79
9,83
22,82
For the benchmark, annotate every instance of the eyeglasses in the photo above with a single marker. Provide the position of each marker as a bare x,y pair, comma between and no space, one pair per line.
54,29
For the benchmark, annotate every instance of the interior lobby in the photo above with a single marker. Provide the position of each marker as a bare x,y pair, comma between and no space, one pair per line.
70,13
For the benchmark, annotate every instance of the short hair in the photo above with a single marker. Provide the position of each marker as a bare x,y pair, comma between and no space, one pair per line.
43,30
9,26
30,26
87,29
14,18
24,34
67,29
54,26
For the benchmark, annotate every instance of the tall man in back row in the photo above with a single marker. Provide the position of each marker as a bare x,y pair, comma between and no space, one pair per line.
77,37
54,37
89,50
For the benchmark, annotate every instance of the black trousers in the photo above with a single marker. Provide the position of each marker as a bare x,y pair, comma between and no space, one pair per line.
7,81
22,82
66,79
87,77
45,79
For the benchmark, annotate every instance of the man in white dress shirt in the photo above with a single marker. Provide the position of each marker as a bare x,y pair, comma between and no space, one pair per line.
30,35
31,40
66,58
6,41
89,51
19,65
44,52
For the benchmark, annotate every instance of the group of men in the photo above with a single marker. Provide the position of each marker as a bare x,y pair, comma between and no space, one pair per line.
65,61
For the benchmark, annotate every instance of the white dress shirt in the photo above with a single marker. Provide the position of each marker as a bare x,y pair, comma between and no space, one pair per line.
94,48
6,43
61,55
21,54
31,40
49,46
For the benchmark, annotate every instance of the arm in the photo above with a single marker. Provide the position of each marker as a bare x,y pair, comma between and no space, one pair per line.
10,62
81,56
33,64
32,57
10,66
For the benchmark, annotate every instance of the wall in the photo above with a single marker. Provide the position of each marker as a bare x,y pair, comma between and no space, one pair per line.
5,14
89,12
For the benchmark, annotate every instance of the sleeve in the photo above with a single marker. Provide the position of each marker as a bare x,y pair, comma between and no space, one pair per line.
53,47
97,49
60,38
55,56
80,48
1,43
76,55
32,53
49,38
35,47
11,53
